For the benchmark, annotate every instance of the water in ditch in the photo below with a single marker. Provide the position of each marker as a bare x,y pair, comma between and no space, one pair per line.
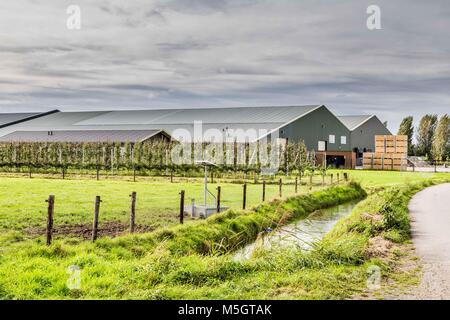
299,234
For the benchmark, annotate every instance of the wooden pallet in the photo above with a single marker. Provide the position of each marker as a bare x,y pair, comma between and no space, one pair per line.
384,161
391,144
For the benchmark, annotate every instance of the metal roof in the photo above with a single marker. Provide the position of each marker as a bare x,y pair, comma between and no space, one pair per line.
205,115
353,122
254,122
82,136
8,119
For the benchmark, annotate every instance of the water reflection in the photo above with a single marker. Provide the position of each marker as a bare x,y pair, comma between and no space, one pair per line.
301,233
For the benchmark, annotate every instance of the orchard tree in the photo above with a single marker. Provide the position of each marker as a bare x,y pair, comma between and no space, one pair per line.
441,139
425,133
407,129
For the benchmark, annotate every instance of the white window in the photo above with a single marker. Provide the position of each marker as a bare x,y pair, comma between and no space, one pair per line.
343,139
322,146
331,138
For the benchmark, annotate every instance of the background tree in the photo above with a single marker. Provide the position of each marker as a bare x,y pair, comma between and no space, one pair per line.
441,139
407,129
425,133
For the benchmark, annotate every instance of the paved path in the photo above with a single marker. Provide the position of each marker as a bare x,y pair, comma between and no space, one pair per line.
430,216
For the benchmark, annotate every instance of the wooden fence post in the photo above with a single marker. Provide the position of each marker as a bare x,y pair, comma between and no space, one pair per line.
98,173
280,187
218,198
171,175
296,184
133,211
50,214
346,176
134,174
244,196
331,177
96,213
337,177
182,206
264,190
63,173
212,176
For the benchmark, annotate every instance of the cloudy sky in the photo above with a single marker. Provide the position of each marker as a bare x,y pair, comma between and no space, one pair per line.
186,53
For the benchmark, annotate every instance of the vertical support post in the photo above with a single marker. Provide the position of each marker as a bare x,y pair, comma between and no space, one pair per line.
171,175
345,176
96,213
29,170
280,187
112,161
244,196
134,173
331,177
133,211
63,173
264,190
212,176
435,166
205,187
98,173
286,157
218,198
337,176
182,206
50,214
296,184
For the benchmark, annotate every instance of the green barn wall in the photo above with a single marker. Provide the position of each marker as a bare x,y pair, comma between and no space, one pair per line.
315,126
364,135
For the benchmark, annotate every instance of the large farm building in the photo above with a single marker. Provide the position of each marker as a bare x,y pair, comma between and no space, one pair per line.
341,139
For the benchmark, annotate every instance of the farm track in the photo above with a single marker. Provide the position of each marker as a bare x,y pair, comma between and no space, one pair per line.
430,215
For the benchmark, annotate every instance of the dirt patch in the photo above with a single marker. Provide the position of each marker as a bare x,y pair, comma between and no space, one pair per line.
373,218
105,229
405,272
378,247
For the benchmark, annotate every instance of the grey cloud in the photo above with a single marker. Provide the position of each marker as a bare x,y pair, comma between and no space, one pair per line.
140,54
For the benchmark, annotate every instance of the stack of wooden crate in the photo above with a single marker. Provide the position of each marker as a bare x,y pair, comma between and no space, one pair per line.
390,154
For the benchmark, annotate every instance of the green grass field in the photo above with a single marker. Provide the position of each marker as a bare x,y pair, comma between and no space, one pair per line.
144,266
22,201
23,207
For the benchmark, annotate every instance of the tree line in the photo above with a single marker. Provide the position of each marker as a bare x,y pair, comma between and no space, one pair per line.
156,156
432,136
